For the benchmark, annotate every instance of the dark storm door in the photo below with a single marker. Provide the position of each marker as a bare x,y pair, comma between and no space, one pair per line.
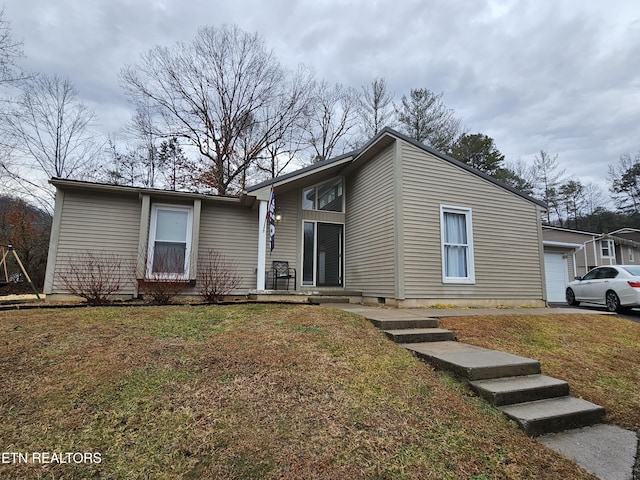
322,260
329,254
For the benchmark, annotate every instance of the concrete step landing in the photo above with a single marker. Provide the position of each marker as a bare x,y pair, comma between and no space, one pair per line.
401,324
529,388
419,335
320,299
471,362
554,415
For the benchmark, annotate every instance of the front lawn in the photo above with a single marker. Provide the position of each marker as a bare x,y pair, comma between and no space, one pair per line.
242,392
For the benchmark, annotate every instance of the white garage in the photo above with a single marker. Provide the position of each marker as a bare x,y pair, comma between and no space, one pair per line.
559,266
556,268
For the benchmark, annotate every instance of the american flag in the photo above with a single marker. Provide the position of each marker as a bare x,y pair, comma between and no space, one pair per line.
271,218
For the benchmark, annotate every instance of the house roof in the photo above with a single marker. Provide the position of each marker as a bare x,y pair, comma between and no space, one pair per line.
352,160
308,175
595,236
568,230
67,184
303,172
567,245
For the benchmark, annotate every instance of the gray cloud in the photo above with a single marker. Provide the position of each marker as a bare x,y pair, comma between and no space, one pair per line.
560,76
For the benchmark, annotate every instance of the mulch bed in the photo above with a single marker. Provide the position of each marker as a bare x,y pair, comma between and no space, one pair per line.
11,288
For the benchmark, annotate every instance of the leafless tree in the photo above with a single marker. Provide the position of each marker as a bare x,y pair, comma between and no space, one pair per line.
224,93
50,131
593,197
177,168
10,51
375,108
285,152
122,167
624,183
332,120
10,74
141,131
549,177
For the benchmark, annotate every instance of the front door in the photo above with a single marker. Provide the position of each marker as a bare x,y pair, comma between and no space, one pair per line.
322,254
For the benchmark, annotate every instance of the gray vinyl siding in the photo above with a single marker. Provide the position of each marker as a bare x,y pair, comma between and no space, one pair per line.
566,236
592,258
233,232
369,231
98,223
288,238
505,233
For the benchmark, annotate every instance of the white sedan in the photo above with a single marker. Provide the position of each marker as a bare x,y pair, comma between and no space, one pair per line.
615,286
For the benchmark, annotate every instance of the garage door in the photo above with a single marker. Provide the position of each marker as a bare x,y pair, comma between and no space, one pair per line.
557,276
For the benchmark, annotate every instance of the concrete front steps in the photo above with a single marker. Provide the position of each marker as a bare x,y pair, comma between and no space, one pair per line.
514,384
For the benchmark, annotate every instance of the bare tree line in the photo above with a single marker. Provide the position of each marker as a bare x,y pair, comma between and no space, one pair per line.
212,114
219,112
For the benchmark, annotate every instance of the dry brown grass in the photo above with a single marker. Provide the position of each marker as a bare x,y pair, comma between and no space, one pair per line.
243,392
599,355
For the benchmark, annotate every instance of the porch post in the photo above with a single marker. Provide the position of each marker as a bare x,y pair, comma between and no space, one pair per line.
262,245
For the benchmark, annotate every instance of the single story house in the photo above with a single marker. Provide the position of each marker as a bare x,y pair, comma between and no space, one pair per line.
571,253
395,221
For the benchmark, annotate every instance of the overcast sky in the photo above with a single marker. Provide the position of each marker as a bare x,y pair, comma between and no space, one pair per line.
563,76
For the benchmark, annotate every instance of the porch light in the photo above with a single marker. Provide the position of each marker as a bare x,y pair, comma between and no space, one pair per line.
278,217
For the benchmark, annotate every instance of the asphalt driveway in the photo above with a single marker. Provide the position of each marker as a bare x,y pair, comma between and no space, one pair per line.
633,314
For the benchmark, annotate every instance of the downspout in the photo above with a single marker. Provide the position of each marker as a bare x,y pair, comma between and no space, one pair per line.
541,264
586,258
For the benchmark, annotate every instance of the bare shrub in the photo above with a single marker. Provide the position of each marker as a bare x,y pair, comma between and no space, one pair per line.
216,276
96,276
162,291
163,282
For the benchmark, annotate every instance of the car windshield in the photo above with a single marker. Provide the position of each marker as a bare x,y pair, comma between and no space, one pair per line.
633,270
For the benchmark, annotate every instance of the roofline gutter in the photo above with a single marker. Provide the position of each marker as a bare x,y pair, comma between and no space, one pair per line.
66,184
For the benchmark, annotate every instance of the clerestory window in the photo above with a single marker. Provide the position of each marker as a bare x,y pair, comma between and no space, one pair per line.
327,196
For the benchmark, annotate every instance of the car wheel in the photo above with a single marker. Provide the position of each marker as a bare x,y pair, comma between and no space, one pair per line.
571,298
613,302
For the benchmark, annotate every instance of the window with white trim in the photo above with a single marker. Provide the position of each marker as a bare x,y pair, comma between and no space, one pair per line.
457,245
169,242
607,248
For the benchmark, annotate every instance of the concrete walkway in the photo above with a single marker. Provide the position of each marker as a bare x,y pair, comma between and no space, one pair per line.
607,451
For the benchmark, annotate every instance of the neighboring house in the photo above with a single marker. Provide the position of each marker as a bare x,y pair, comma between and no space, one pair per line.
395,221
572,253
632,234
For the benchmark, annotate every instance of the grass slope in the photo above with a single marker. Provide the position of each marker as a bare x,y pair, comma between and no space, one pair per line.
599,355
243,392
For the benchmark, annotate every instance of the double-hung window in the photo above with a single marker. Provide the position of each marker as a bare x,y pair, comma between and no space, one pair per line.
456,232
169,242
607,248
